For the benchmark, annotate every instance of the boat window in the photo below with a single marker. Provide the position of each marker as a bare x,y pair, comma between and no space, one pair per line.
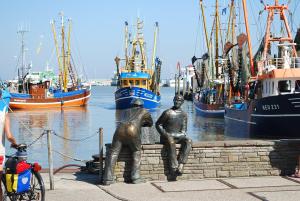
297,86
284,85
131,82
137,82
272,87
125,82
144,82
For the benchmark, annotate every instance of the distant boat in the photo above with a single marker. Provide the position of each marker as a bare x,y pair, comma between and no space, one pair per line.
35,90
183,81
172,83
135,79
209,93
114,80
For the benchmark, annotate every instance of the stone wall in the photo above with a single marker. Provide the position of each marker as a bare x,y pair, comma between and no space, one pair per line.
217,159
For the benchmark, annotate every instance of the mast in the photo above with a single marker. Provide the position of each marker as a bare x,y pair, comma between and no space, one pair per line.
140,39
21,74
22,32
204,25
277,9
154,45
217,40
57,53
248,37
70,69
230,21
233,22
65,70
64,55
126,43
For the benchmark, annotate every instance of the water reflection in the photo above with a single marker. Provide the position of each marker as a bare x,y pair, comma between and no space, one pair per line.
81,122
67,122
209,129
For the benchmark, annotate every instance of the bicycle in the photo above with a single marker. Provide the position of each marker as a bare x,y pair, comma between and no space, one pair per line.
22,180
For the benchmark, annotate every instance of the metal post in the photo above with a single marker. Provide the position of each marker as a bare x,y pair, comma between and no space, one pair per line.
100,154
50,160
184,87
178,81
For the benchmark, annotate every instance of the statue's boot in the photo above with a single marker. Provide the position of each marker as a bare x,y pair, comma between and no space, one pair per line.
180,169
135,172
138,181
173,174
108,182
110,162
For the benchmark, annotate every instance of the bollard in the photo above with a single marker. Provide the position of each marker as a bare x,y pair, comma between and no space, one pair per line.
100,154
50,160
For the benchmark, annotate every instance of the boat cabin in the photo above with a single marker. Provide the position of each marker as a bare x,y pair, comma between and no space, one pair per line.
39,90
280,75
134,79
142,83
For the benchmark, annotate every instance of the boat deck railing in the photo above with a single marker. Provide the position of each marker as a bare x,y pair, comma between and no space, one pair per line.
142,70
281,63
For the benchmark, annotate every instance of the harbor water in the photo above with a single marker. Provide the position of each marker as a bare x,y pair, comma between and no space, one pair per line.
82,122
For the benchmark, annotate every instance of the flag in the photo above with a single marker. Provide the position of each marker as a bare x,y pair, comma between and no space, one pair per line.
224,10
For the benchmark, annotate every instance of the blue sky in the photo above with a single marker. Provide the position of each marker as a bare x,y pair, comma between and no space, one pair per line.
97,35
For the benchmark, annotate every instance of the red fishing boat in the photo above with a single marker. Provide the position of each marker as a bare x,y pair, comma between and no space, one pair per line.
33,91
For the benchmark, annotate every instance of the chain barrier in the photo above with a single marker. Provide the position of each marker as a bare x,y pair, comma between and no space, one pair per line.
70,157
74,140
50,150
60,153
37,139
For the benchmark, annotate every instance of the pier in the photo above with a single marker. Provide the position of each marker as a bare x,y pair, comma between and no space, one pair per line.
218,160
224,170
80,186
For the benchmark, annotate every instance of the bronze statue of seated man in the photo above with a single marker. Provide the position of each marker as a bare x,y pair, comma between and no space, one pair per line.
128,133
172,126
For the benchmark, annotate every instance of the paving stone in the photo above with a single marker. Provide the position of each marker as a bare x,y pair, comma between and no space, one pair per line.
191,185
259,182
279,195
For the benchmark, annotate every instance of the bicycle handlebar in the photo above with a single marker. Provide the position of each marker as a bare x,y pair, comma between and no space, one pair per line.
20,147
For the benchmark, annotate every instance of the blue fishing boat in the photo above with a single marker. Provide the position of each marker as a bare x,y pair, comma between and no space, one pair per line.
135,79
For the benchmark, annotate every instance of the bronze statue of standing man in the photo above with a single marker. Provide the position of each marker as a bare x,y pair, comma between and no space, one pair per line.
172,126
128,133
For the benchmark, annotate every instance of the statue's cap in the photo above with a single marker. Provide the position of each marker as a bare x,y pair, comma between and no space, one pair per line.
178,97
137,102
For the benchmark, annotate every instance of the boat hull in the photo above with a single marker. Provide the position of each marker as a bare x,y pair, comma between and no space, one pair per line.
124,97
209,110
270,117
46,103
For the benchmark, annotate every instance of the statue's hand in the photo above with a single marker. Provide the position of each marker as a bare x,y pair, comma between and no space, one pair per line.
179,134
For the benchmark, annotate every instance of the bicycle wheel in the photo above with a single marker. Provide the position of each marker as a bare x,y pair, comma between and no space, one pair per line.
5,195
36,191
4,192
37,187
